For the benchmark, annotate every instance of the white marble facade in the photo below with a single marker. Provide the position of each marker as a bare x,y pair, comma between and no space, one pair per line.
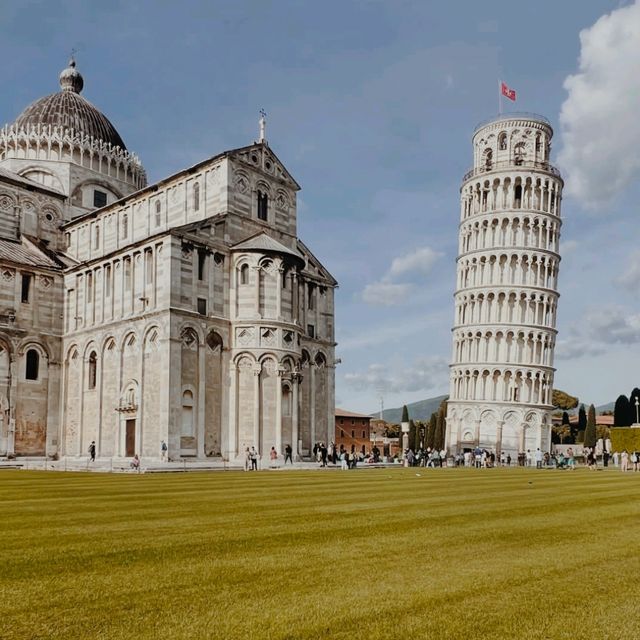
186,311
506,291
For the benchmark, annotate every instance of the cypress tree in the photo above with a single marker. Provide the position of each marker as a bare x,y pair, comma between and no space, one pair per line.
621,412
438,441
582,419
590,431
405,413
431,431
412,435
565,418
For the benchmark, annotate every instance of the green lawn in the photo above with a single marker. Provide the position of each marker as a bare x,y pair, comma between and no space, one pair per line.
504,553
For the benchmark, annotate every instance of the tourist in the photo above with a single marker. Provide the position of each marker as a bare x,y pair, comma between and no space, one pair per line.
163,451
616,458
344,462
247,459
288,454
443,458
635,460
92,451
253,456
605,458
592,463
135,463
571,461
529,458
508,459
323,455
624,461
477,455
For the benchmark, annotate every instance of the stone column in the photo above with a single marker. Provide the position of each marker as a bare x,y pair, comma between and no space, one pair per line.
295,295
256,406
295,427
232,451
499,425
279,272
279,410
522,435
11,425
256,270
477,434
201,400
312,408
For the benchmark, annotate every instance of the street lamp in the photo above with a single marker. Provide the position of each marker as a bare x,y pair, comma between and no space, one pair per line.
637,416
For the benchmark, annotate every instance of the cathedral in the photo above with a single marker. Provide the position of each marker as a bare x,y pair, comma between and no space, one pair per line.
185,311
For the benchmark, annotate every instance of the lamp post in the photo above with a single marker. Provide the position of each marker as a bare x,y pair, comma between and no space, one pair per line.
637,416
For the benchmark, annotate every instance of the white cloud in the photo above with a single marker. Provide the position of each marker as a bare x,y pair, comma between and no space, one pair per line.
599,329
599,118
425,374
630,279
420,261
386,294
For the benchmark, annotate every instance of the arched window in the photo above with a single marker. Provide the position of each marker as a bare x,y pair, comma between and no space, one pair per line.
187,413
93,365
196,196
124,226
518,153
263,205
158,212
488,159
244,274
502,141
32,365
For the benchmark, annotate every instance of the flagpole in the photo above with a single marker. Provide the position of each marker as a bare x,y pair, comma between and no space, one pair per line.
499,97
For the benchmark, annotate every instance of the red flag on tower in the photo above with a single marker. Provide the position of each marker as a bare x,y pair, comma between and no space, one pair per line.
507,92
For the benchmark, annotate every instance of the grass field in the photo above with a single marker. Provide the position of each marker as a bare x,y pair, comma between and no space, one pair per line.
309,554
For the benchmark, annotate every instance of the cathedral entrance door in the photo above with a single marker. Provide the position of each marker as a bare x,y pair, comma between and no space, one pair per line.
130,441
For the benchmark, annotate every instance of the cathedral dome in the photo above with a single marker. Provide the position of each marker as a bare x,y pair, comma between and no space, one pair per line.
67,109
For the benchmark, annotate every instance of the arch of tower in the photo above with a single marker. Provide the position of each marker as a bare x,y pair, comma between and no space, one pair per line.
501,374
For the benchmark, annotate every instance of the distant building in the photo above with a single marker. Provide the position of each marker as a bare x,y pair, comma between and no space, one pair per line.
353,430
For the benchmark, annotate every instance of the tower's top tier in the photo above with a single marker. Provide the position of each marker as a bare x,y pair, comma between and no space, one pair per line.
510,141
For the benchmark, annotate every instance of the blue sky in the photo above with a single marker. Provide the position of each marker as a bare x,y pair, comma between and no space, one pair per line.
371,105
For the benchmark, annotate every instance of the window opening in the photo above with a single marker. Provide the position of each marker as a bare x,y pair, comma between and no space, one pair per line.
202,306
26,287
93,365
202,262
196,197
263,205
33,365
99,198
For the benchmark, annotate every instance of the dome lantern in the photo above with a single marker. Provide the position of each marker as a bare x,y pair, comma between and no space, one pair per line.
71,79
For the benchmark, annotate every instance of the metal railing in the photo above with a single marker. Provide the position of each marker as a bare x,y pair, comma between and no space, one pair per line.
512,164
514,115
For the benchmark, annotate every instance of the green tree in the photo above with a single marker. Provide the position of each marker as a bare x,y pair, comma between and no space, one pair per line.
412,435
590,431
621,412
582,418
565,418
562,400
405,413
633,414
441,427
431,431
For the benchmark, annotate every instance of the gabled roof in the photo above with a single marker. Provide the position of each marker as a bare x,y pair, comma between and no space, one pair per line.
27,252
341,413
260,156
316,263
264,243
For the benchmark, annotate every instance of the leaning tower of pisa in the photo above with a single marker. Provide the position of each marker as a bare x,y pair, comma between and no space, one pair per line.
506,291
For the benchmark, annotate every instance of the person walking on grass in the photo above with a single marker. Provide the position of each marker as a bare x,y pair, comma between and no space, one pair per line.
538,459
253,456
135,463
92,451
247,459
273,458
344,463
635,460
163,451
624,461
287,454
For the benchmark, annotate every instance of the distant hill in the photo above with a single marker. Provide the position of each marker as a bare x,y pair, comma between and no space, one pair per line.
423,409
420,410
